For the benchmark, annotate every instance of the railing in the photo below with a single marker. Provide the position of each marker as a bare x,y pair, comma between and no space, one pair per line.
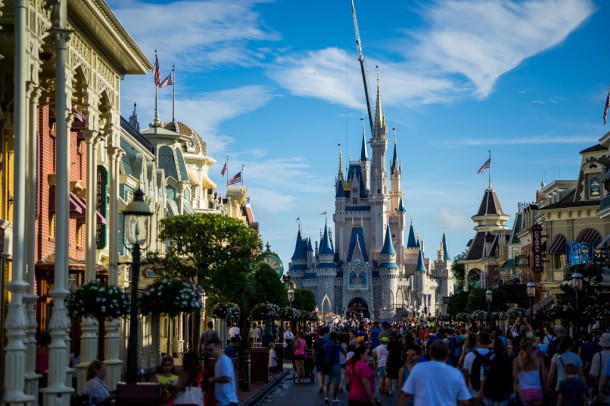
353,286
604,203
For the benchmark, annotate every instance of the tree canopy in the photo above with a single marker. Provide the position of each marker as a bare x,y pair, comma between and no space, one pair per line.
215,250
304,300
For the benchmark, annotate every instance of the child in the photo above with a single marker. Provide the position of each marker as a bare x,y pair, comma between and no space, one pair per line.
572,390
166,375
272,359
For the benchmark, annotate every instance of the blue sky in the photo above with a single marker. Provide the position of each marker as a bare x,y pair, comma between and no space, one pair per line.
276,85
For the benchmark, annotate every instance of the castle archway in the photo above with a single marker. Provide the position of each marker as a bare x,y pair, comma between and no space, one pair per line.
357,308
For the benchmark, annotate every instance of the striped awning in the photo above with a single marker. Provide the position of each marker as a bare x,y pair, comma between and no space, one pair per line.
589,235
188,209
605,243
559,245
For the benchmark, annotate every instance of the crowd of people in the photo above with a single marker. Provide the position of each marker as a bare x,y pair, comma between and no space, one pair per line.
419,363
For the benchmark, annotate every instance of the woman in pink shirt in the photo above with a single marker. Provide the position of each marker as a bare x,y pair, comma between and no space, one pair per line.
361,377
299,357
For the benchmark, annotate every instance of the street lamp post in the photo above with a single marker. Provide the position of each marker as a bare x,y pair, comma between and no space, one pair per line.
577,285
531,292
489,298
137,215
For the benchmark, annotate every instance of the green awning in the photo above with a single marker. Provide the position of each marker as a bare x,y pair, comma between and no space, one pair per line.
510,264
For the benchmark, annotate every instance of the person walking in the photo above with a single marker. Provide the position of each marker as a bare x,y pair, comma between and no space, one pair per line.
299,357
289,340
394,362
332,373
563,357
529,371
412,355
380,359
597,367
423,382
167,377
224,375
361,378
207,336
254,335
483,343
319,357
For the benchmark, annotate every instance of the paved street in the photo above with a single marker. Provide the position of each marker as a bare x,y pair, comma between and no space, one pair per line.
288,393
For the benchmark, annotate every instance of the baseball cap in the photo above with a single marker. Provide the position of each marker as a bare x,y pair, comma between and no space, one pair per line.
384,340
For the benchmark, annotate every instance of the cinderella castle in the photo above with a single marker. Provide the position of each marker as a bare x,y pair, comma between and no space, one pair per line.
364,268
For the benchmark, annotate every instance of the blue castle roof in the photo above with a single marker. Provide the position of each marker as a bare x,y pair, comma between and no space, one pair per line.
325,247
299,248
411,242
421,266
446,256
388,247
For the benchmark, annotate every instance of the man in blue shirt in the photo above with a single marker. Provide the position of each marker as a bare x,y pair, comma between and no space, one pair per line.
319,357
224,375
374,335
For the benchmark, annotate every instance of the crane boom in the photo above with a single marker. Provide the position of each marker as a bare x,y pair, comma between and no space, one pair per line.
362,69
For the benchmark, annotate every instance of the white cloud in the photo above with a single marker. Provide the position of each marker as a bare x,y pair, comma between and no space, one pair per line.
483,39
204,112
456,219
536,139
469,44
200,34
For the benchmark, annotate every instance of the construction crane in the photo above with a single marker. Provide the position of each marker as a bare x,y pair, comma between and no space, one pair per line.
362,68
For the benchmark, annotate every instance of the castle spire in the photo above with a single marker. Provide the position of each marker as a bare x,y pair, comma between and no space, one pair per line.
299,248
446,256
379,117
340,175
325,247
395,156
388,247
363,152
421,265
411,242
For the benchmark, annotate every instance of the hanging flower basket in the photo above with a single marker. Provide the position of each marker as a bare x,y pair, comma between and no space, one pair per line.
98,301
478,315
498,315
289,313
264,311
228,311
559,311
516,312
171,297
465,317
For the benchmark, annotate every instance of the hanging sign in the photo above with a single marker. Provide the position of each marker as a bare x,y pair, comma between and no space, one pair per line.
537,266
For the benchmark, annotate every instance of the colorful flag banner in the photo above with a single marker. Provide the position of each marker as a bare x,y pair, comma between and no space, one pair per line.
607,107
156,71
168,81
486,165
235,179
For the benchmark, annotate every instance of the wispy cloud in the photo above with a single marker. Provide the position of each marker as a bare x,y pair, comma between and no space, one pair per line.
539,139
482,40
201,34
467,46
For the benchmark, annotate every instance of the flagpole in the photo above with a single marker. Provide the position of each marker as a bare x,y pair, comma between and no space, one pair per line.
227,171
174,93
156,91
242,174
489,185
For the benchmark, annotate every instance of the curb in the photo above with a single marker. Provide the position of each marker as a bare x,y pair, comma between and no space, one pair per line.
266,389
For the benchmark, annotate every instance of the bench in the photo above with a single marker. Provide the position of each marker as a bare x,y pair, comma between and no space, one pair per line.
139,394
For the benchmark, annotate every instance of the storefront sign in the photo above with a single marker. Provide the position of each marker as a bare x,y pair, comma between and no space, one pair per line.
537,266
101,206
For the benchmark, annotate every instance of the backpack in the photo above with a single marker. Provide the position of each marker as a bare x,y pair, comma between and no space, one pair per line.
497,375
456,344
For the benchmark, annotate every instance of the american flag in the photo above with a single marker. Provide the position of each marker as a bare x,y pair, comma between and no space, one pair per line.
156,71
607,107
235,179
168,81
486,165
224,169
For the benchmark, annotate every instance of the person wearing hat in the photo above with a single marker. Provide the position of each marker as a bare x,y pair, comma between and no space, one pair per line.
385,330
596,331
380,359
597,367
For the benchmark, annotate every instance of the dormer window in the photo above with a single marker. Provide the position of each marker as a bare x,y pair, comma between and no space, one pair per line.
594,187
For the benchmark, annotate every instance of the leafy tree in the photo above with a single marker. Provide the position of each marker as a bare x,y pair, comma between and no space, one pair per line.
459,269
266,286
304,300
217,251
457,303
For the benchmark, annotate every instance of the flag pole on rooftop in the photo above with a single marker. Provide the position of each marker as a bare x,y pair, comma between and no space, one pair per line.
173,92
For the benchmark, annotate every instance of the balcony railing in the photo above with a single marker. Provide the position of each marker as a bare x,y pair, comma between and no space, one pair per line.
604,203
353,286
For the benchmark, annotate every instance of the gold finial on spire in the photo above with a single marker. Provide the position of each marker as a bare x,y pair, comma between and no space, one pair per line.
379,117
443,224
